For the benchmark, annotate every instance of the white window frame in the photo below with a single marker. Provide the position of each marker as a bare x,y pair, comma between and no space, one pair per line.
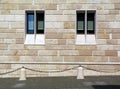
34,38
83,39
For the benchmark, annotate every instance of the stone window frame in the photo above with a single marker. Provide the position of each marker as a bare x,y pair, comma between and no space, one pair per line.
35,36
84,36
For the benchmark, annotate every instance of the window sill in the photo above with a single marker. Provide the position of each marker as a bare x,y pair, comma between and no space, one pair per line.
32,39
85,40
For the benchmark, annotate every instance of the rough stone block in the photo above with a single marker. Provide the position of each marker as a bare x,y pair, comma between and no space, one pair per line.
85,59
53,36
73,1
51,41
108,6
101,41
43,1
69,12
5,66
70,6
1,41
53,12
10,6
61,41
116,36
27,53
10,41
105,47
68,36
19,18
54,25
51,7
114,24
114,59
17,12
114,12
60,47
112,41
70,41
17,25
69,52
8,52
47,52
103,25
98,53
3,46
9,58
103,36
60,18
110,53
4,25
85,53
117,6
86,47
116,47
19,41
15,46
69,25
5,12
2,18
11,35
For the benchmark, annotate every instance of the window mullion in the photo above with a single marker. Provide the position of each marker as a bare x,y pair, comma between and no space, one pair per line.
35,22
85,24
35,26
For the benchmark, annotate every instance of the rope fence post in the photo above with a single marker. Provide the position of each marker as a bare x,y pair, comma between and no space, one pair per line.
22,74
80,73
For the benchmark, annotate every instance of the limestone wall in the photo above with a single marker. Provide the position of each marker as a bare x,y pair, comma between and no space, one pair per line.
60,34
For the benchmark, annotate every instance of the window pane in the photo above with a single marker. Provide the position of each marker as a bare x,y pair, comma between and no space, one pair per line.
40,22
80,23
90,23
30,23
40,25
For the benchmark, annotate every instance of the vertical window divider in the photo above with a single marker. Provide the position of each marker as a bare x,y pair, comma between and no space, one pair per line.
85,24
34,26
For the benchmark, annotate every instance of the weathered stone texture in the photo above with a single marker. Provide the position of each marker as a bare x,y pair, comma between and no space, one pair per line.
60,35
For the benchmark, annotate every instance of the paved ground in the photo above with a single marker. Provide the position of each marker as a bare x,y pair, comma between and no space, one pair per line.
62,83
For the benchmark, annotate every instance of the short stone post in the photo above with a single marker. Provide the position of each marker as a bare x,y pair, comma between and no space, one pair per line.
80,73
22,74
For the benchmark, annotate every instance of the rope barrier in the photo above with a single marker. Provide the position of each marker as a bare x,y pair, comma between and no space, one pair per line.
8,72
104,71
52,71
57,71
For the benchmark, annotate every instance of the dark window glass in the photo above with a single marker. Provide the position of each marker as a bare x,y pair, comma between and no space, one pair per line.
90,23
30,23
80,23
40,22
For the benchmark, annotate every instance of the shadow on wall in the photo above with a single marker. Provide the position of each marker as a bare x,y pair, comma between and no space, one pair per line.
106,86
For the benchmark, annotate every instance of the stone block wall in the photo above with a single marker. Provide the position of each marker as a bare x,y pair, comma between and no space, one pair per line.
60,35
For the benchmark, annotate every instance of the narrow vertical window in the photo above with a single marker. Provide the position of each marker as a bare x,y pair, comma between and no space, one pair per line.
34,27
80,22
40,22
30,23
85,27
90,23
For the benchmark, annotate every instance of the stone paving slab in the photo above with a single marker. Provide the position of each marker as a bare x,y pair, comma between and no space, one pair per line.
106,82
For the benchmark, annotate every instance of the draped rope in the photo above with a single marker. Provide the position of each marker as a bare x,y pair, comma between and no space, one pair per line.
57,71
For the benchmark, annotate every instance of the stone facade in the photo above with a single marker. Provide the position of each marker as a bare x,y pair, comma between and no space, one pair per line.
60,35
